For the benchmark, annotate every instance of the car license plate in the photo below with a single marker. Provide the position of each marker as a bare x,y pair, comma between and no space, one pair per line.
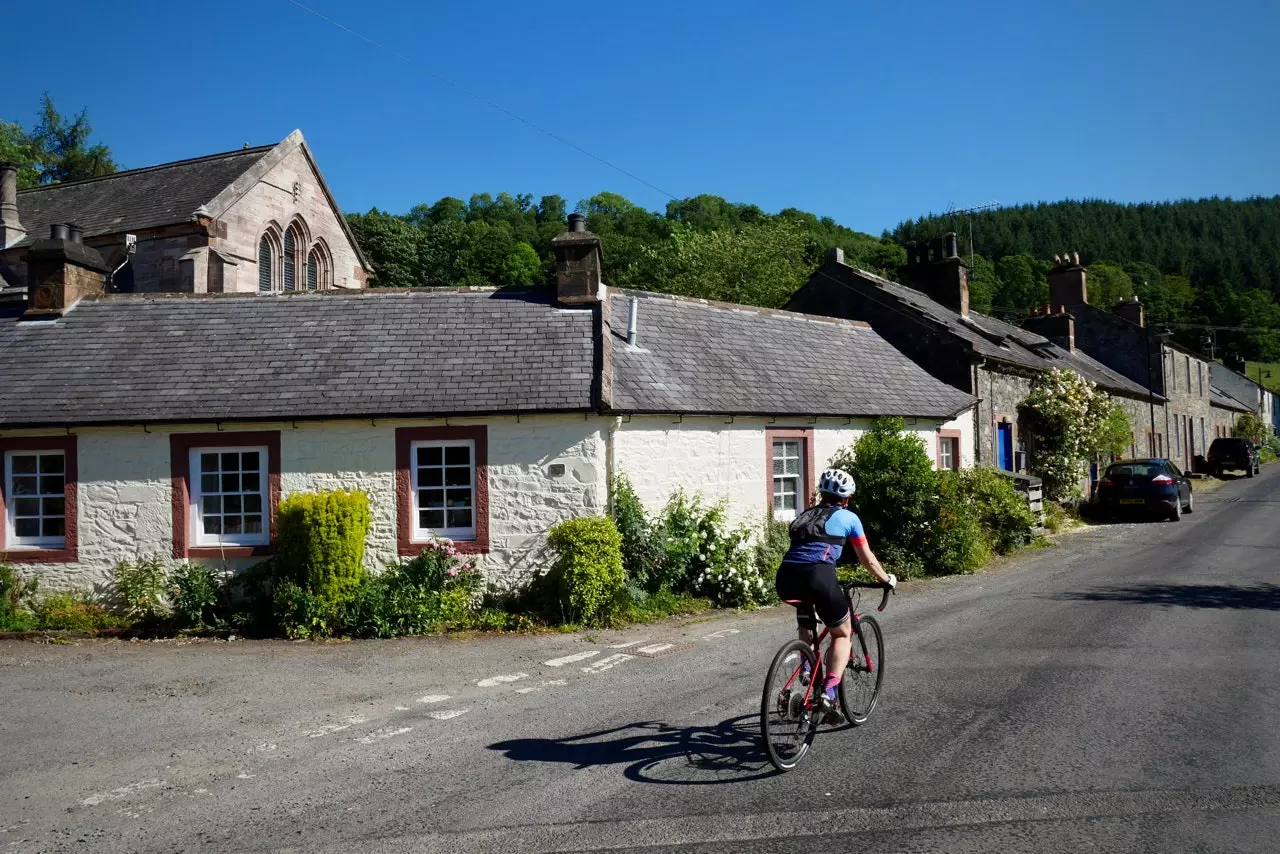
1133,501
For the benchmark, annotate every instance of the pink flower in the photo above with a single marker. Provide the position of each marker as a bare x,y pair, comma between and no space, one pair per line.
452,572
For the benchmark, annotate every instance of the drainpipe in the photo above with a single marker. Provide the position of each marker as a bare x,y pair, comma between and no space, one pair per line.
609,462
977,414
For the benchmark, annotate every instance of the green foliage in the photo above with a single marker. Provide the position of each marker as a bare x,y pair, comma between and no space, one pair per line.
897,495
641,606
198,597
1058,518
588,574
56,148
773,542
1266,374
302,614
1250,426
75,611
321,540
1002,512
141,588
688,531
16,594
642,553
958,543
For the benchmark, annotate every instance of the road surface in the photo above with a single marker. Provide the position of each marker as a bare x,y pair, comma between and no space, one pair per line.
1117,692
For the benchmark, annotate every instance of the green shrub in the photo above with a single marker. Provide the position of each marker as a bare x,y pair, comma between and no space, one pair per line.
775,539
140,589
588,573
641,550
1005,516
641,606
321,540
198,598
958,542
250,599
688,532
302,614
732,577
897,495
16,594
75,611
439,566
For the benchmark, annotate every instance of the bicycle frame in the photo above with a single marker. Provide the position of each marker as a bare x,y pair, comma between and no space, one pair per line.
816,643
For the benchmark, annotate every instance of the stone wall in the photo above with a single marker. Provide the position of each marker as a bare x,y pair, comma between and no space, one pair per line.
1000,394
1189,412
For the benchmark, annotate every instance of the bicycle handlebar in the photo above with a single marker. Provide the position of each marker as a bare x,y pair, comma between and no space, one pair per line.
884,601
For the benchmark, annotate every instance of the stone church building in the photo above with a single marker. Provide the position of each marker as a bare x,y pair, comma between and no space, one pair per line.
258,220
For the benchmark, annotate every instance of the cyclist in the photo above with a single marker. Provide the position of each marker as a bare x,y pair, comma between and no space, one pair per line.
808,575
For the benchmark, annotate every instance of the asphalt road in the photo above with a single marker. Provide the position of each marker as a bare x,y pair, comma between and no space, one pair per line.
1114,693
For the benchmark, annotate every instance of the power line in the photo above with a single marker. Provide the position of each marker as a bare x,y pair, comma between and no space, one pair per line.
482,99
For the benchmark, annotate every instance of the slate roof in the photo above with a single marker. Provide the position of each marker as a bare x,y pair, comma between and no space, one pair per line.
134,359
136,199
1005,342
693,356
1223,400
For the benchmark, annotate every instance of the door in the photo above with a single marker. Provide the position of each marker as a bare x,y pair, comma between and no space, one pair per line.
1004,446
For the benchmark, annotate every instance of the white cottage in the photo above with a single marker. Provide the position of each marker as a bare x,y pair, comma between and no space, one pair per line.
137,424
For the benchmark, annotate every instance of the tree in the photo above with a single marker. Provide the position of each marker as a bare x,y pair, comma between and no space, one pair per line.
1073,422
1109,284
61,148
1249,426
1022,283
983,285
392,245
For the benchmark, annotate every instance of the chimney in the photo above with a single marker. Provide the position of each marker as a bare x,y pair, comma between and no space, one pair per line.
1067,281
939,272
60,272
1056,324
834,255
578,264
11,230
1130,310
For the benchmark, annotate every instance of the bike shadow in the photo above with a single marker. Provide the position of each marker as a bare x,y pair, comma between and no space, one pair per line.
655,752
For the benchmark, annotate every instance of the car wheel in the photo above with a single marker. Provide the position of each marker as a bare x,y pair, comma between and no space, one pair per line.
1251,472
1191,503
1218,472
1176,515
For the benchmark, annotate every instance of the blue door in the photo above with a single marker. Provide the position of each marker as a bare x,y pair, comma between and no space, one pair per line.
1004,446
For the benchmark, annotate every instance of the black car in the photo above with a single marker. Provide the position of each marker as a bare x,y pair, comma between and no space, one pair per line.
1239,454
1149,487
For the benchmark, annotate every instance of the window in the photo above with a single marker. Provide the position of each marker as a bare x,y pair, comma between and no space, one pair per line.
444,490
229,496
313,271
1187,360
948,450
442,487
1177,432
35,482
1203,441
790,476
290,260
38,492
318,267
226,487
1200,376
266,255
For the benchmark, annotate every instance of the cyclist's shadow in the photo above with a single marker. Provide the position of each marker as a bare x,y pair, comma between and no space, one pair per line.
654,752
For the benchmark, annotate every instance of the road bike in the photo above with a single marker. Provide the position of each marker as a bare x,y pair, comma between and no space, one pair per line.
789,713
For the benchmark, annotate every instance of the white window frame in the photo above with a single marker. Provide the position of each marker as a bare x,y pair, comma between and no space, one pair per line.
12,540
783,514
948,461
421,534
201,539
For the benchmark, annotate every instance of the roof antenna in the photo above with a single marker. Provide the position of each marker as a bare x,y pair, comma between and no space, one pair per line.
245,147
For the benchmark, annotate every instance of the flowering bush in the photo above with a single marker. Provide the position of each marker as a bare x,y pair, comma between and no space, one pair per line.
1073,422
730,576
440,566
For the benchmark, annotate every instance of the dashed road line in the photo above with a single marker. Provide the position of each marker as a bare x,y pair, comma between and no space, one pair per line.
122,792
433,698
654,648
627,644
720,634
402,708
494,681
330,729
547,684
608,663
570,659
446,714
386,732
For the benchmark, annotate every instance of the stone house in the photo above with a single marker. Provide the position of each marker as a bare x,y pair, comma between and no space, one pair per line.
1225,410
515,412
928,318
258,220
1231,379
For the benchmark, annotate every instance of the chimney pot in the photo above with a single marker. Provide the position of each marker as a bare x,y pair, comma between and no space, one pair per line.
577,222
58,231
11,230
75,233
951,246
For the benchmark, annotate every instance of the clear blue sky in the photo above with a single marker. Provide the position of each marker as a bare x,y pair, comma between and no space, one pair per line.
869,111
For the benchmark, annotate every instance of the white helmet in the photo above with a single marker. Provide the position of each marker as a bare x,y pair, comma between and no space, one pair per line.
836,482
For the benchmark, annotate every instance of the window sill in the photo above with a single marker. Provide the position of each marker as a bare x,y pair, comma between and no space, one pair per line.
466,547
228,551
36,554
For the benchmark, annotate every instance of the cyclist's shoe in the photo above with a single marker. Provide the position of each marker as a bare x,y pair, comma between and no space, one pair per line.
829,706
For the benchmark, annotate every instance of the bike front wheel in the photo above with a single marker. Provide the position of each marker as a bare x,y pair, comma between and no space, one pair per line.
787,725
860,687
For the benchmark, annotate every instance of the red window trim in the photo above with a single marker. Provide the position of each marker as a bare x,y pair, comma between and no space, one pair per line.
804,434
70,552
180,447
955,452
405,437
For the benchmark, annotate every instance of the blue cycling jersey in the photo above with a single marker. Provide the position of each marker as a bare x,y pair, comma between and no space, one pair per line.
844,525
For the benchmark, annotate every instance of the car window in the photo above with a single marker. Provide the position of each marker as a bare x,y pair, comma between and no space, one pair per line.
1135,470
1173,470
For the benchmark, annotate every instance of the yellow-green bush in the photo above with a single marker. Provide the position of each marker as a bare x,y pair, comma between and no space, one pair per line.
321,540
588,576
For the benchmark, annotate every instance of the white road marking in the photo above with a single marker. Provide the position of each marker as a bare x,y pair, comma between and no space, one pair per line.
386,732
654,649
330,729
570,659
627,644
447,714
606,663
245,775
493,681
433,698
547,684
122,792
264,747
720,634
402,708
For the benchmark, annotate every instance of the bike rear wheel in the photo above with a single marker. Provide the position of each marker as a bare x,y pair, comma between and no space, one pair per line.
860,687
787,726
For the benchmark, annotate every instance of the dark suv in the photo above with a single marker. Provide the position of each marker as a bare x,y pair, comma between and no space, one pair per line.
1233,454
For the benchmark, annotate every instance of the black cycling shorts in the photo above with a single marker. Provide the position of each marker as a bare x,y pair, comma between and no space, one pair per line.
814,585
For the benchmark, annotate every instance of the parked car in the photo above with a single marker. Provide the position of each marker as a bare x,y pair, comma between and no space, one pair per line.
1225,453
1146,487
